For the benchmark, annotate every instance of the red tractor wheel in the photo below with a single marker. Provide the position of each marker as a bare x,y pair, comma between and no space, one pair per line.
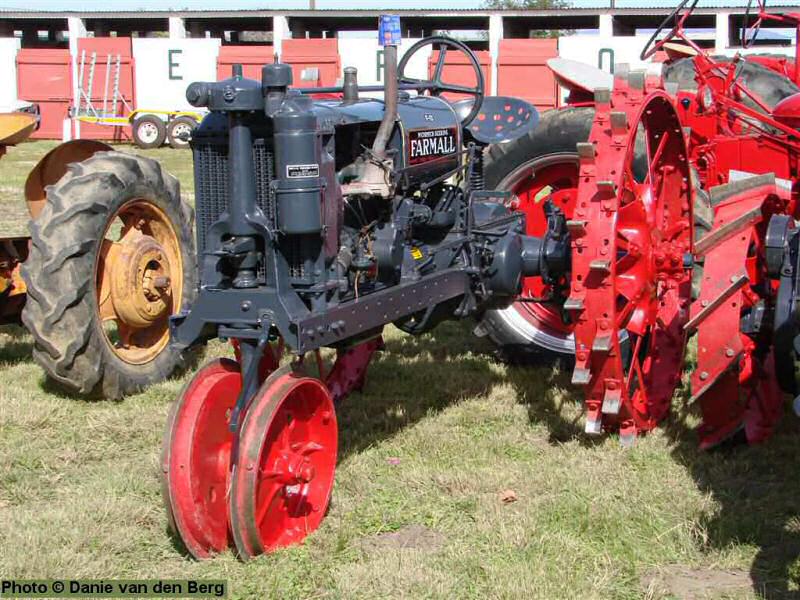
197,456
630,290
283,479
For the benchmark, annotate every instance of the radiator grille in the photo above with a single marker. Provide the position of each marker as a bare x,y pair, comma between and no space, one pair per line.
211,184
211,187
264,175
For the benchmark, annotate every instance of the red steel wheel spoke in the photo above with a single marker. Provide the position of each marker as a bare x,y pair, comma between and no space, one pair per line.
310,448
656,157
629,286
267,503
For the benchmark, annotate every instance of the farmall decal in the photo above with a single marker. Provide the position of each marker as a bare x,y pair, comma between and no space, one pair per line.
429,144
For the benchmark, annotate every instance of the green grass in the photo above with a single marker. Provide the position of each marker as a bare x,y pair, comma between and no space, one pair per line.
439,433
20,160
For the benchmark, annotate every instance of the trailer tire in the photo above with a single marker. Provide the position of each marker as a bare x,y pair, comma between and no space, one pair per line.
66,274
148,132
179,127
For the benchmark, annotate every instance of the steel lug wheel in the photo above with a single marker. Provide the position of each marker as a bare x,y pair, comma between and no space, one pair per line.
196,458
630,290
283,478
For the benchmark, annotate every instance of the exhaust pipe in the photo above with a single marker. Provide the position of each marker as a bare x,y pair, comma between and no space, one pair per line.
375,178
390,99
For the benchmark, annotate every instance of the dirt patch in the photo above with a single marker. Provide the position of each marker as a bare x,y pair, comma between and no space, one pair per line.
412,537
694,584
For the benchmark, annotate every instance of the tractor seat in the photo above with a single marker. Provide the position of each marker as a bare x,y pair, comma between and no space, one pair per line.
501,119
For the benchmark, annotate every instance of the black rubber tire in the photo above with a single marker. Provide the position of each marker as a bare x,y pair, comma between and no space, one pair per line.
161,132
769,86
174,141
558,133
703,223
61,309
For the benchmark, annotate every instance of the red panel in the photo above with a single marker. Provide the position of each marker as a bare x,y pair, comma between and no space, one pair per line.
107,45
252,58
458,69
522,71
322,54
43,77
104,48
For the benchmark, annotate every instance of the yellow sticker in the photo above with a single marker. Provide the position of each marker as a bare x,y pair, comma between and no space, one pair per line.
416,253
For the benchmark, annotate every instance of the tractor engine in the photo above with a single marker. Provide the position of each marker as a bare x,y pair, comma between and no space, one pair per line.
321,221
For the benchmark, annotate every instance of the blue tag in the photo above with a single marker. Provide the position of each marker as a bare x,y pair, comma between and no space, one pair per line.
389,30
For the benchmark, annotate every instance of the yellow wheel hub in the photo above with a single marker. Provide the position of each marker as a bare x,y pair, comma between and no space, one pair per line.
139,281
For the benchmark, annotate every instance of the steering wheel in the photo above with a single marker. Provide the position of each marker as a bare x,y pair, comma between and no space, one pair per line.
435,86
755,28
678,18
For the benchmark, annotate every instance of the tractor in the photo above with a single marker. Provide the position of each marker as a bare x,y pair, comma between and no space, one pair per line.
109,259
318,223
607,231
740,121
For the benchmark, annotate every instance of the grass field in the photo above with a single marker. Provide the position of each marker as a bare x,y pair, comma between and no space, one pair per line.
441,433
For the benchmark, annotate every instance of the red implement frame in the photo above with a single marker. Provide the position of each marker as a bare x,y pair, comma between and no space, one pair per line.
729,128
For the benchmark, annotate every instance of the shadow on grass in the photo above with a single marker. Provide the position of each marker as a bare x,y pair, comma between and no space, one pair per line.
551,400
757,488
758,493
419,375
412,378
17,347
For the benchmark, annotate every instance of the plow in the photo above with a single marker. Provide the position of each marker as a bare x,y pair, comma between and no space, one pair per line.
648,212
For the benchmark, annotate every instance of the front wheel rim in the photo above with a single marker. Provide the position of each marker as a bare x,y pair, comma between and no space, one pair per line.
181,130
148,133
287,458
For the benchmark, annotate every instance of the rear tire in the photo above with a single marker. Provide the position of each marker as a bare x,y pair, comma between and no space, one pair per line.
517,339
554,139
149,132
769,86
62,312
